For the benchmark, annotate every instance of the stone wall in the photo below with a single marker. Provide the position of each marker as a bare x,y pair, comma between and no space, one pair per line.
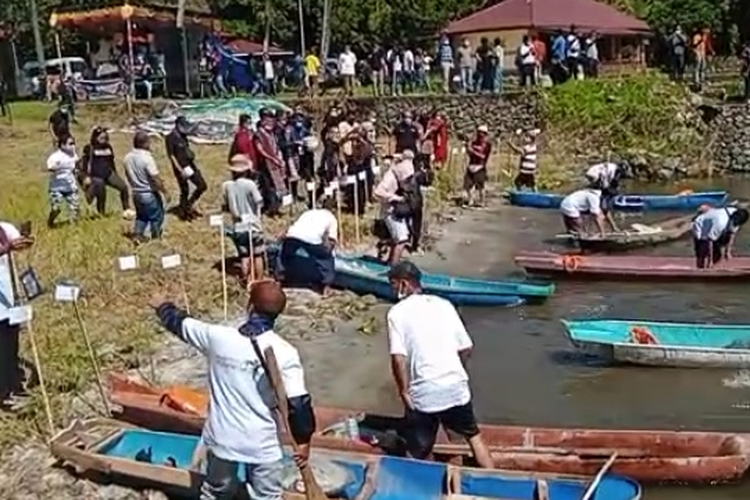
731,148
465,113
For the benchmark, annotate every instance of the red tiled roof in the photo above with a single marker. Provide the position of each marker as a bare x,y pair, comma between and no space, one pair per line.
586,15
241,46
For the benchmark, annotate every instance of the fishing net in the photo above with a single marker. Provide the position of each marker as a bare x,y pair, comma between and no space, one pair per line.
332,476
213,121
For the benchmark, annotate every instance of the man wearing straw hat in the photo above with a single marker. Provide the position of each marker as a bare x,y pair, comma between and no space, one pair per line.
240,428
243,200
11,374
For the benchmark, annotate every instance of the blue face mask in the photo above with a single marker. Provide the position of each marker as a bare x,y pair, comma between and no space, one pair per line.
256,324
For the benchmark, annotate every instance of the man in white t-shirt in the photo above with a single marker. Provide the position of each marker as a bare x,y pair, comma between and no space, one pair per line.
11,374
429,348
580,204
307,250
240,427
348,69
714,232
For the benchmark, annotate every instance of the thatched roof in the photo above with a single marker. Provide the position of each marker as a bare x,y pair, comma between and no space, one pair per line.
101,15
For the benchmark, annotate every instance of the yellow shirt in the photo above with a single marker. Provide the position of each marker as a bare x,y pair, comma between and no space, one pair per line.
312,65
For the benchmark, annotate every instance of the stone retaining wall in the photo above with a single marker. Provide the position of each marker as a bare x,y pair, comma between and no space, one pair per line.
731,147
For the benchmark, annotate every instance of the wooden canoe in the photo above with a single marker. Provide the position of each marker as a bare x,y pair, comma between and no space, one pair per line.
647,456
163,461
652,235
630,267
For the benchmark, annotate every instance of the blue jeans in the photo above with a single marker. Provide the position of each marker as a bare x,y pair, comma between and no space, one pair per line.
467,79
149,211
264,480
303,264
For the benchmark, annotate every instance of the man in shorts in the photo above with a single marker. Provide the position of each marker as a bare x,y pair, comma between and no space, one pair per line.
429,348
478,151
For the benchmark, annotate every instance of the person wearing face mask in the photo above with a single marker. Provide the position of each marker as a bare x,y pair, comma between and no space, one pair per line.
241,429
99,172
429,348
407,134
63,188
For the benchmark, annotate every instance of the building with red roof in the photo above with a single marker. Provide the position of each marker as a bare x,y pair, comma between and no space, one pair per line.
510,20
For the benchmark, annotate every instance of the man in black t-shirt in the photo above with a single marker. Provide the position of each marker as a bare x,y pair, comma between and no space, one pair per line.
184,168
59,123
407,134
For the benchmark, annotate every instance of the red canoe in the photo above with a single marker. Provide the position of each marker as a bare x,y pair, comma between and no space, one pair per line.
647,456
636,267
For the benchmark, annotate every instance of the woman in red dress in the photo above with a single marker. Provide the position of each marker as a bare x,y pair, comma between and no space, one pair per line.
437,132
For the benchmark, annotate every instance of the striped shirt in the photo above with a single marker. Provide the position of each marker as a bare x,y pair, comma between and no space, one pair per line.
528,159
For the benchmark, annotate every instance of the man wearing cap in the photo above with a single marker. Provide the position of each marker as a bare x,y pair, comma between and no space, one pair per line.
185,170
429,348
407,134
146,188
243,201
240,428
478,151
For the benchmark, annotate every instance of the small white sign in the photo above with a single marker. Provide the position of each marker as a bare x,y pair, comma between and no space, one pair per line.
189,172
287,200
362,176
350,179
127,263
66,293
216,220
19,315
455,151
328,191
171,261
376,170
310,186
334,185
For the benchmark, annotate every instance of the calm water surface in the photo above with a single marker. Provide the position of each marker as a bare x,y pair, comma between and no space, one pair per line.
525,372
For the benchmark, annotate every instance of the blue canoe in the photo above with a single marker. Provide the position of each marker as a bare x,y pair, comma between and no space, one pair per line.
628,203
162,460
651,343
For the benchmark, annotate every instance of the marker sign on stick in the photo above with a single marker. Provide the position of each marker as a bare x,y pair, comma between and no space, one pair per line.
286,200
171,261
19,315
328,191
216,220
334,185
362,176
67,293
310,186
350,179
127,263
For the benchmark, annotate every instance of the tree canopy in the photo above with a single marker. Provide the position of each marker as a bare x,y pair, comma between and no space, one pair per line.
364,24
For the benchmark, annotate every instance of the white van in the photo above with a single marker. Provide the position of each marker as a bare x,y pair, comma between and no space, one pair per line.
31,83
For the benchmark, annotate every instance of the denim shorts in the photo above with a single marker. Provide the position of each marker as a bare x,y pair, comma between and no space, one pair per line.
263,480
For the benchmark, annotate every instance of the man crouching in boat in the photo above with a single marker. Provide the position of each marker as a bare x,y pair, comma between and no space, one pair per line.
307,257
607,177
714,232
581,204
429,348
240,428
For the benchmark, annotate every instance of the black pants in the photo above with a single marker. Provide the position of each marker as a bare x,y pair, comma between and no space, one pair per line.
187,200
422,428
3,105
747,86
678,67
528,76
97,190
524,181
271,199
11,374
415,227
705,255
303,264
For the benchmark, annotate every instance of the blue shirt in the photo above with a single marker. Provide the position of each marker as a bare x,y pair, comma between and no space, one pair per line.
559,48
445,52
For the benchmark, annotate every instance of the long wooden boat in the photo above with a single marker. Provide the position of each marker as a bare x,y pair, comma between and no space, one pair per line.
685,345
640,236
630,267
687,202
648,456
139,457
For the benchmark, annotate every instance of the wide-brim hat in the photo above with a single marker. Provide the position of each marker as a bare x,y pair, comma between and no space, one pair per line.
240,163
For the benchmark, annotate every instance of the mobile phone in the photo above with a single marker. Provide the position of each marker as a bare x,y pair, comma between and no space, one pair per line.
25,229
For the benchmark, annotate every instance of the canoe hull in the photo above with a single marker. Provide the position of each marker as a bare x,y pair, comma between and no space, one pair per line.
630,268
626,203
111,448
698,457
671,230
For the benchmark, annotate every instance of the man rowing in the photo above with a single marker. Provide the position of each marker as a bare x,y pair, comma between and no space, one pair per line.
240,428
581,205
714,232
429,348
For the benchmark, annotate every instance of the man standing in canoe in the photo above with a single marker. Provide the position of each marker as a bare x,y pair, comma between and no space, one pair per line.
581,204
714,232
429,348
240,428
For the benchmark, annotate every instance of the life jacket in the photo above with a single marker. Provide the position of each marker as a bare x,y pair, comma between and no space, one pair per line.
641,335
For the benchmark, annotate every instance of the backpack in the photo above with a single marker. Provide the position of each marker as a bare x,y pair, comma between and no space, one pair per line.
412,202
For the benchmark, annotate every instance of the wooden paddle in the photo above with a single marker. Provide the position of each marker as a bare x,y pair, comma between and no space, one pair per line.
589,493
313,490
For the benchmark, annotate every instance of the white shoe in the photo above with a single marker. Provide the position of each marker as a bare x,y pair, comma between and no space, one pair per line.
128,214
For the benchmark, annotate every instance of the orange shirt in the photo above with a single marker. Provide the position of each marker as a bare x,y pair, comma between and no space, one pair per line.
540,49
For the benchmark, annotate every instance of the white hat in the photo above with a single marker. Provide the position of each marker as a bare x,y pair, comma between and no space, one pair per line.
240,163
484,129
407,154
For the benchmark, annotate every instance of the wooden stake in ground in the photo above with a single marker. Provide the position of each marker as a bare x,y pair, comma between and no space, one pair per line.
175,261
589,493
70,293
271,367
334,185
23,314
362,176
218,221
351,180
310,187
288,201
